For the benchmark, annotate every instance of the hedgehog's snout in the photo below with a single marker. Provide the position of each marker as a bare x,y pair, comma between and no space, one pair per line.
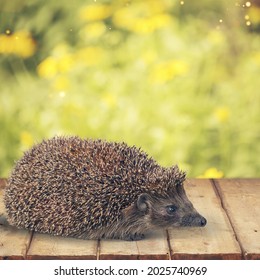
194,220
203,222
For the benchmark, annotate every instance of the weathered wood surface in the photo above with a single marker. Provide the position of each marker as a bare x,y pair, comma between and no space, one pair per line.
232,209
241,200
153,247
217,239
44,246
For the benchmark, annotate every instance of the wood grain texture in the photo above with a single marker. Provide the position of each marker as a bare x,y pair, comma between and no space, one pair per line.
153,247
45,246
14,242
241,200
214,241
231,206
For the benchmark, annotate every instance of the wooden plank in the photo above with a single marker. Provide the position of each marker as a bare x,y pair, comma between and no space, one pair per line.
118,250
153,247
217,239
241,199
45,246
13,242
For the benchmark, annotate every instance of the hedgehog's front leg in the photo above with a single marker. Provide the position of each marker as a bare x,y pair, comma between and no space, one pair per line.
133,236
122,230
126,235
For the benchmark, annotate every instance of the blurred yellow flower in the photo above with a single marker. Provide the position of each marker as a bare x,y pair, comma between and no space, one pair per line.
26,139
93,30
149,25
48,68
19,43
95,12
140,19
60,63
222,114
166,71
212,173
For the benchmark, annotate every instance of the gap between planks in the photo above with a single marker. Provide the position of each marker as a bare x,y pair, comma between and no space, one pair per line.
241,199
204,243
218,193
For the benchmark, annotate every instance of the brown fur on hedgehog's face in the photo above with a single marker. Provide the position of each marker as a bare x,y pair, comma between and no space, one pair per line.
172,210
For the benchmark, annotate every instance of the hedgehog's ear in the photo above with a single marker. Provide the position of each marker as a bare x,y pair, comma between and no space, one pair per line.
143,202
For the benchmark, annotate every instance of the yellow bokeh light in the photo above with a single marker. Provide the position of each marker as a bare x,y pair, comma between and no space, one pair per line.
222,114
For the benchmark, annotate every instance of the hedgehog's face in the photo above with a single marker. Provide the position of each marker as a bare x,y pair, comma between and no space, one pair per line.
171,211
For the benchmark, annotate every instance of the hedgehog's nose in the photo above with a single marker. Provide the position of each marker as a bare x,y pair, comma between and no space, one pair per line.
203,222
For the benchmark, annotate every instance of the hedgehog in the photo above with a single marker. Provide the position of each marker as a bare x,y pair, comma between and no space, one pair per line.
95,189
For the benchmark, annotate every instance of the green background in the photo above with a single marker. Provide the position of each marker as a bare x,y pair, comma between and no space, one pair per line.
181,79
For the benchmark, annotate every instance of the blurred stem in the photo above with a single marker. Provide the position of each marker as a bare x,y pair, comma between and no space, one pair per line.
18,66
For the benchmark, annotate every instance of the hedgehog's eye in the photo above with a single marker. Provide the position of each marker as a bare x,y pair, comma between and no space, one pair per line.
171,209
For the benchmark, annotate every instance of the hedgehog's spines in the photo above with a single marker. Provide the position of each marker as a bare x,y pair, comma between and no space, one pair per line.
81,185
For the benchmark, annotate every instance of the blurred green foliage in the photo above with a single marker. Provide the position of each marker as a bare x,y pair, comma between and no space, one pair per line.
178,78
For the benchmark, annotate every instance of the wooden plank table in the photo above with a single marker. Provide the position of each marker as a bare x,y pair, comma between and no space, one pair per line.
241,201
231,206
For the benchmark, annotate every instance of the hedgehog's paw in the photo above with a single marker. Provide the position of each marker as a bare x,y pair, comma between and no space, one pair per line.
134,236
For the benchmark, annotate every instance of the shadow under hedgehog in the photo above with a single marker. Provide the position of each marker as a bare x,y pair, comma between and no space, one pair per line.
95,189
